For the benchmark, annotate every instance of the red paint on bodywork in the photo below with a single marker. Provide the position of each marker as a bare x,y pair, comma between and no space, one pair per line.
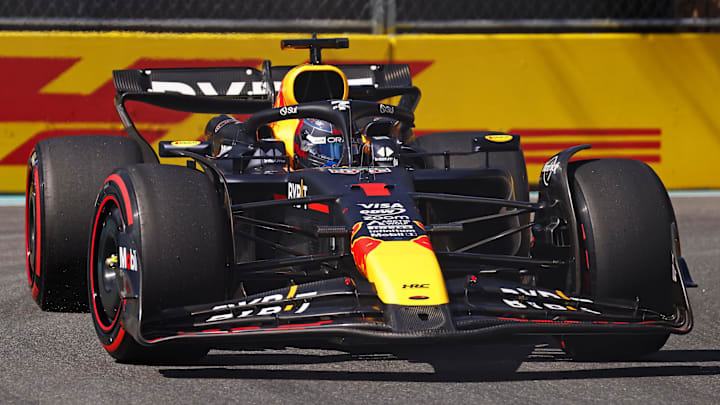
374,189
360,248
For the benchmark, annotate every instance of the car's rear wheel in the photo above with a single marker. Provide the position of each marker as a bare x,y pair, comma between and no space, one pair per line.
625,219
64,176
163,229
511,161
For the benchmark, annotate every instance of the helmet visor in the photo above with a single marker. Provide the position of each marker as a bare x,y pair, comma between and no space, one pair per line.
322,141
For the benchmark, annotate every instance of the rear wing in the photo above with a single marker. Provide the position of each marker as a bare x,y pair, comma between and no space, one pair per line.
243,89
366,82
245,82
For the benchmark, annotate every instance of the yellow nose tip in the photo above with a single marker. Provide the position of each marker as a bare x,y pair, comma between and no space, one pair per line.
406,273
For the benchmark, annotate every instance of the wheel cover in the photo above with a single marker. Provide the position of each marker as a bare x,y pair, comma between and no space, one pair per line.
106,298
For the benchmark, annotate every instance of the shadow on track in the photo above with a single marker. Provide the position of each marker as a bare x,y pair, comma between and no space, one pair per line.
479,375
459,363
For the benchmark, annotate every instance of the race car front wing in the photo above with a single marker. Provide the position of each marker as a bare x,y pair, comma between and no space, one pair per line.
346,308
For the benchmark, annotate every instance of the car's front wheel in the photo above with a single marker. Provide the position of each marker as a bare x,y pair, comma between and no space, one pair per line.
625,219
160,241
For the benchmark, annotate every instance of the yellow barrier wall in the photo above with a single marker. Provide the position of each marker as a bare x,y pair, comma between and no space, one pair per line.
651,97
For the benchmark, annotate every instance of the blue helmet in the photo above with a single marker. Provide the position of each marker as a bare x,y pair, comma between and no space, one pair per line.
317,144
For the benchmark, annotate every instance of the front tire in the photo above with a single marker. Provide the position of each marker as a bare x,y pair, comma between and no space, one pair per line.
163,229
625,219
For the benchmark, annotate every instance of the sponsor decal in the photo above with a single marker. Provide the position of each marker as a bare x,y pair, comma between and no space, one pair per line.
524,301
262,310
322,140
185,143
386,109
384,154
416,286
385,220
222,124
296,190
396,227
385,208
289,110
355,170
299,190
127,258
549,169
499,138
340,105
207,88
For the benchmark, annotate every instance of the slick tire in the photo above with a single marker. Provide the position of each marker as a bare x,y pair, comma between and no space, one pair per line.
64,175
513,162
162,231
625,219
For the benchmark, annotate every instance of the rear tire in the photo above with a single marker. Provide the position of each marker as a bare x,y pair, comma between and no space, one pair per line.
170,221
625,219
512,161
63,178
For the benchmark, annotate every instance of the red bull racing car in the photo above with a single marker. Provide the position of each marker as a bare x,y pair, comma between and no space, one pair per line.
320,217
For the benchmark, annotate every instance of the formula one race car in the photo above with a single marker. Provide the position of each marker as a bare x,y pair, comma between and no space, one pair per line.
321,218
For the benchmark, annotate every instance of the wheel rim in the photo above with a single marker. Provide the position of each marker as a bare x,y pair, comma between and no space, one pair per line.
106,294
30,232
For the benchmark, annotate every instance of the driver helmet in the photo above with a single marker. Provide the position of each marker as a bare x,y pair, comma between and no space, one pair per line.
317,144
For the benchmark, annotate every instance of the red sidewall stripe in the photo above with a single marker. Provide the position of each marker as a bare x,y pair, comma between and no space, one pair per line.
38,227
118,340
125,195
27,225
92,270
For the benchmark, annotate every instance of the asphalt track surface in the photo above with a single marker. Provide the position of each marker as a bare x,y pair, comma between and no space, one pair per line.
55,357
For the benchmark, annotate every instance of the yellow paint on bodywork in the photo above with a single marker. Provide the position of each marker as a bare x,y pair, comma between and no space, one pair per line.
393,265
563,296
285,131
293,290
287,88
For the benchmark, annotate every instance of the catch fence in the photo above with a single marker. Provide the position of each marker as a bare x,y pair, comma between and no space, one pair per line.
371,16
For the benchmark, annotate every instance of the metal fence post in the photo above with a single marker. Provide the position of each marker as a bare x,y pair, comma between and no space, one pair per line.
390,17
378,17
